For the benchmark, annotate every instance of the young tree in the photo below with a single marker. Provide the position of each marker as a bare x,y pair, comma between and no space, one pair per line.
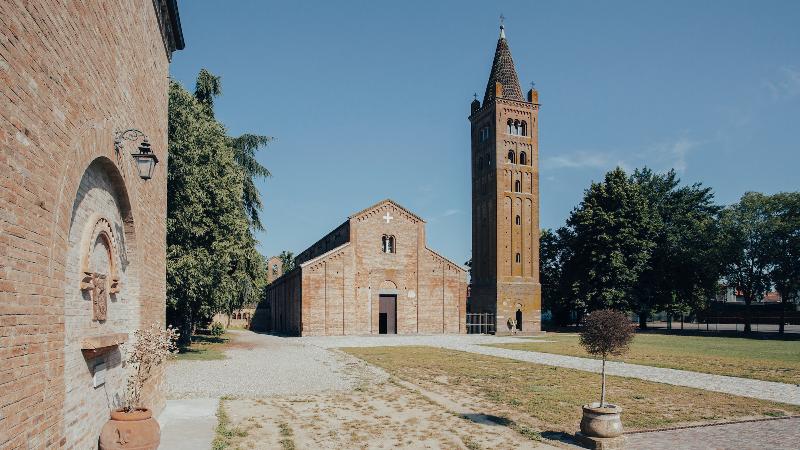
745,248
784,248
613,233
606,333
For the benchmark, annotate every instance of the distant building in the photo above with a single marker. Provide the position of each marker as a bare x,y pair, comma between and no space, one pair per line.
373,274
274,269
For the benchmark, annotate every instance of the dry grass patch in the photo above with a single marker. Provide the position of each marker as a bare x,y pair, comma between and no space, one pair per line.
551,396
769,360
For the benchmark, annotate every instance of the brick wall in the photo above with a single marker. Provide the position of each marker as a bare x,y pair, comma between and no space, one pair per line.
71,74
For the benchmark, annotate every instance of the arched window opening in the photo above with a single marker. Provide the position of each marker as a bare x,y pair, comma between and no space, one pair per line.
387,244
510,126
517,186
512,158
523,158
516,127
524,128
518,220
519,258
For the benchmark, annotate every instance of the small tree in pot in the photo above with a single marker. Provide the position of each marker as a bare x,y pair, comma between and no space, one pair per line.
132,425
606,333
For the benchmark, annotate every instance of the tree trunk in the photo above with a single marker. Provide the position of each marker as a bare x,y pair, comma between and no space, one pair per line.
681,321
643,319
747,311
603,385
783,314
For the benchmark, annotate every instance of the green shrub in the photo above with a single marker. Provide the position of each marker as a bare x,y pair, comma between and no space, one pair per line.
217,329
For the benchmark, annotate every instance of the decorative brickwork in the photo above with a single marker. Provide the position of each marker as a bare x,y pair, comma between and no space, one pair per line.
71,74
340,281
505,201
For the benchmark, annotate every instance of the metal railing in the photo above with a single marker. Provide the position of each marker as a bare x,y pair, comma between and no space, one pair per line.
480,323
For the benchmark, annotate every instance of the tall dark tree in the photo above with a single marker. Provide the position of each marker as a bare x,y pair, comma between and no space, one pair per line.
745,248
784,248
614,232
287,261
554,255
684,266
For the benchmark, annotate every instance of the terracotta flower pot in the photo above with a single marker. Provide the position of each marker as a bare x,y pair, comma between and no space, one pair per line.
134,430
601,422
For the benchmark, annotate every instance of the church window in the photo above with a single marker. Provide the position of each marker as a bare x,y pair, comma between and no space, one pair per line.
518,220
512,157
510,126
517,186
524,128
523,158
516,127
519,258
274,269
387,244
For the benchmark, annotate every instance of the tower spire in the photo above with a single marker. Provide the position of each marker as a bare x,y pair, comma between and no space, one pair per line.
503,70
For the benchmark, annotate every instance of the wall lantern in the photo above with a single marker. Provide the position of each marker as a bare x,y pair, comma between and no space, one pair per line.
146,160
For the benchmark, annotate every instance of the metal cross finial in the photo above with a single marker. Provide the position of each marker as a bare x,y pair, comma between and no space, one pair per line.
533,85
502,19
474,95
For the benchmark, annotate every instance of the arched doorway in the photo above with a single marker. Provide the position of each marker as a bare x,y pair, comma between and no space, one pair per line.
101,295
519,319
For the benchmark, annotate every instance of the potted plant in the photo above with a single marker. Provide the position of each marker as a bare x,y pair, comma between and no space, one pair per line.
606,332
132,426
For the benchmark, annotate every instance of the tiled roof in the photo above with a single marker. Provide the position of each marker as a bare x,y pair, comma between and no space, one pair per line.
503,71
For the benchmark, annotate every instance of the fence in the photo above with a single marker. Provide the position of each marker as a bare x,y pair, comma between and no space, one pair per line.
480,323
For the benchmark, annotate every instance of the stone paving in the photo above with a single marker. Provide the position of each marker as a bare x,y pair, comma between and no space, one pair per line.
781,434
766,390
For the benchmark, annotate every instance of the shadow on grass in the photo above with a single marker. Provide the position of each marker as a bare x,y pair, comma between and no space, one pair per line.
530,433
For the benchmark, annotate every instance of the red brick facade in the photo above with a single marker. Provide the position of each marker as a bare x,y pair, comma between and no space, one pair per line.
338,282
71,75
505,200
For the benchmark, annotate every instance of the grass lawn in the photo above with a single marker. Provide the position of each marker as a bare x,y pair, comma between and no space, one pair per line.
552,396
204,348
770,360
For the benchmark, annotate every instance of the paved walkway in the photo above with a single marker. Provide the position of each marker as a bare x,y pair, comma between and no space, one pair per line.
781,434
188,424
766,390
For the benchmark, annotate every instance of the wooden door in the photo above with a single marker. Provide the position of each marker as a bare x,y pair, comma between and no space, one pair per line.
387,314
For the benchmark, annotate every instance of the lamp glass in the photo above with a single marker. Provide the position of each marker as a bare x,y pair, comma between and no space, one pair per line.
145,165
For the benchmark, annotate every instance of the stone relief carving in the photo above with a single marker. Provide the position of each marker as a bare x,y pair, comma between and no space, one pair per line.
99,285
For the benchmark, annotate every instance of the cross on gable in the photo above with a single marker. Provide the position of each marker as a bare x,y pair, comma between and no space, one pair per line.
388,217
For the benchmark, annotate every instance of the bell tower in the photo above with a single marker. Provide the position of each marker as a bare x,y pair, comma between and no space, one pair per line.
505,200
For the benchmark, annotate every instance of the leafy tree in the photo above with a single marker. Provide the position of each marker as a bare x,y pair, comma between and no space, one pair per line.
613,233
784,248
287,260
606,332
746,248
684,266
212,263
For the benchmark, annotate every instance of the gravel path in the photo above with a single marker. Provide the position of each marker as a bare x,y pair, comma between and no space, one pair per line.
260,365
766,390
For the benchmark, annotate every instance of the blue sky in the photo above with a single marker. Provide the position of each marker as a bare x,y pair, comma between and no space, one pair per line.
369,99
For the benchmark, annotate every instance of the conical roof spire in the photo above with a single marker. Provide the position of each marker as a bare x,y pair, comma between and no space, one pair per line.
503,72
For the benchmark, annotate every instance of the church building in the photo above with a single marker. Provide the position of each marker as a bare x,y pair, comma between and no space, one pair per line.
505,200
373,274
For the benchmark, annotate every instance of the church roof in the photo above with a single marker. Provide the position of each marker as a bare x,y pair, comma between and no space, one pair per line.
380,203
503,72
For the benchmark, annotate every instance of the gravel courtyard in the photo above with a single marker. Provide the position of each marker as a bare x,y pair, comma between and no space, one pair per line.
259,365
